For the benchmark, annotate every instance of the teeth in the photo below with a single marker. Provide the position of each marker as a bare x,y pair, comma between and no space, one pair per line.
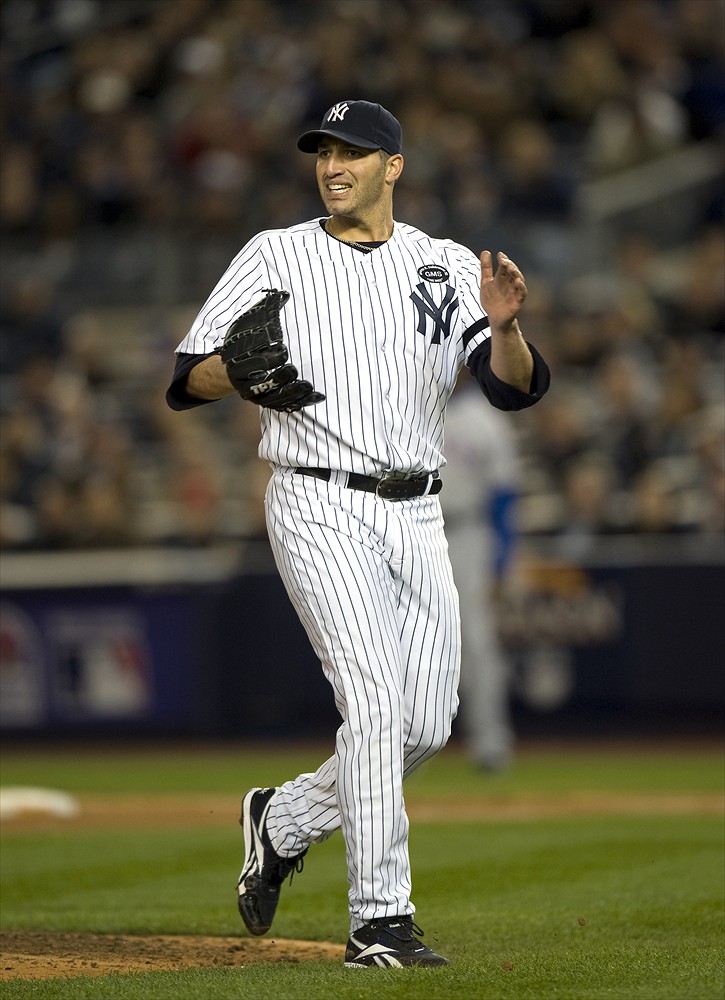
339,187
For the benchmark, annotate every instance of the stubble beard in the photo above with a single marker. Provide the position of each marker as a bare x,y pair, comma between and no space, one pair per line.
365,204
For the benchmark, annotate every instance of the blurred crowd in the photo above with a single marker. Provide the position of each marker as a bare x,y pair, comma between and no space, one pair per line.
144,141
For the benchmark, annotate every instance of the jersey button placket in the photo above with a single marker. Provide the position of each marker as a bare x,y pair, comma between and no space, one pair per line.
386,354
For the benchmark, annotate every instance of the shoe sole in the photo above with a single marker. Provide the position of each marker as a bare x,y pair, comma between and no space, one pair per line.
398,965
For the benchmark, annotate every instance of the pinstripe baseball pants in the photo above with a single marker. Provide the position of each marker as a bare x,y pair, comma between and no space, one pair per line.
371,582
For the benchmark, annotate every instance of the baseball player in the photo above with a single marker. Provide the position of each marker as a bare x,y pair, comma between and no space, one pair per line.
348,332
478,501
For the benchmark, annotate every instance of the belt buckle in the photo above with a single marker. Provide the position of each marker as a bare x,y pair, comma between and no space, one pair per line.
395,485
386,488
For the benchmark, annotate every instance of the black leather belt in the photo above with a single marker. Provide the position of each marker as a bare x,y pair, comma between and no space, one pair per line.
391,486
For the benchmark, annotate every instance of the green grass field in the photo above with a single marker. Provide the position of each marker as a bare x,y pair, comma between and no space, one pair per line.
583,873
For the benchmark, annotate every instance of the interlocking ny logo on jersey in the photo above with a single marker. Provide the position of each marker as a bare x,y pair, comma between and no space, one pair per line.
338,113
442,315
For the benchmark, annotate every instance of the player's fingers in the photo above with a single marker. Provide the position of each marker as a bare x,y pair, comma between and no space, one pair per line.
506,266
510,271
486,265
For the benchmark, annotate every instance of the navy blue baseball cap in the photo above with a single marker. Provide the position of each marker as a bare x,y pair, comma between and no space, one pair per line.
360,123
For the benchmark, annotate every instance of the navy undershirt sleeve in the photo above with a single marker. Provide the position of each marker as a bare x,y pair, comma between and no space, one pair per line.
500,394
176,395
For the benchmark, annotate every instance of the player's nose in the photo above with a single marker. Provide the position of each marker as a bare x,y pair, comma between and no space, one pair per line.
334,165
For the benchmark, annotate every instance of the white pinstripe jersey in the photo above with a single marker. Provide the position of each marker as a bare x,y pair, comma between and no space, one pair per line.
383,335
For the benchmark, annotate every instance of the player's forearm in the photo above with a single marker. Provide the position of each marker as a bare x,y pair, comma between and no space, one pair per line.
511,359
209,379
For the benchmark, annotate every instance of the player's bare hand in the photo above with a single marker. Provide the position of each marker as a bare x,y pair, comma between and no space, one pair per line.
502,293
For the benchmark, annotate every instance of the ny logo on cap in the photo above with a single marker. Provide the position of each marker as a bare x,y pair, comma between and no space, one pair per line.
338,113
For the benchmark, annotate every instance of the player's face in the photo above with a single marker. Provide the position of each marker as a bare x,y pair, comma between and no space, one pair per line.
352,180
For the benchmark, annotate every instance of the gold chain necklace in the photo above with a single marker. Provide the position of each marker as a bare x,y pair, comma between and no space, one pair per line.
350,243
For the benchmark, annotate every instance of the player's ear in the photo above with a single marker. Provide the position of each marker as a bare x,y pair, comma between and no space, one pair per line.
394,167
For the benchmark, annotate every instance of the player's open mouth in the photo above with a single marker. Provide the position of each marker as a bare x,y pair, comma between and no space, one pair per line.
338,188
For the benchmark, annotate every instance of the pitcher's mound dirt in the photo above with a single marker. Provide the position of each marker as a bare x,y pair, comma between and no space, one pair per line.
42,955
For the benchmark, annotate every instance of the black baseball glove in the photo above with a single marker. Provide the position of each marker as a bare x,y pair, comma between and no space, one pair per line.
255,358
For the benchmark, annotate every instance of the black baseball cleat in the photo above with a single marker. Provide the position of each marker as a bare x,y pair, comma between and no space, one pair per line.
264,870
391,942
